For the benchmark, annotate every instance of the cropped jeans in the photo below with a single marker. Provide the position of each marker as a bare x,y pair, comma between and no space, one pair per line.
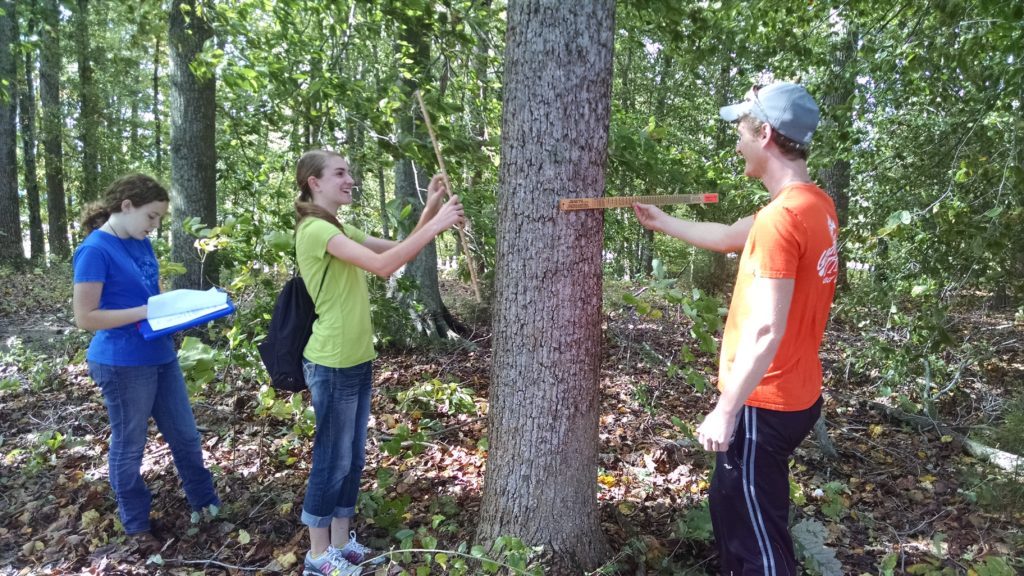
132,394
341,401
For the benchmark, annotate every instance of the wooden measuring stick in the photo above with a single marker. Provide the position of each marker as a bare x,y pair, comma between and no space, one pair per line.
448,186
566,204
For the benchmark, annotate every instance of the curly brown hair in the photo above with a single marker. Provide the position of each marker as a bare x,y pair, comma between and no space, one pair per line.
139,189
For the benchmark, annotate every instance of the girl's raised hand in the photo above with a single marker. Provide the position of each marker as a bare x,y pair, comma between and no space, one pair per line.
451,214
436,190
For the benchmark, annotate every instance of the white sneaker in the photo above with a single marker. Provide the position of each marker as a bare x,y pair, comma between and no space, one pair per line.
356,553
330,563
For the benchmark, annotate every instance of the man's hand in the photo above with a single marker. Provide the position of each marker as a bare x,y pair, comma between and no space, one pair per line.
649,216
715,433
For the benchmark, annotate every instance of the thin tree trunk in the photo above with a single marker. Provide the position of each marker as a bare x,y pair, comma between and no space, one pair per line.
11,249
27,118
89,114
544,396
158,143
193,146
410,188
381,185
50,66
837,123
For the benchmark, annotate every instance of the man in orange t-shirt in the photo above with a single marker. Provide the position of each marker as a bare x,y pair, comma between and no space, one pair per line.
769,372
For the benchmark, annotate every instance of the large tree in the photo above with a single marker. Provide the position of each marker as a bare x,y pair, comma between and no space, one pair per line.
89,111
542,466
11,250
193,143
50,66
27,123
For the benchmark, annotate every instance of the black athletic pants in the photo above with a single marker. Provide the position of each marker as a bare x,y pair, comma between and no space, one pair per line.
749,496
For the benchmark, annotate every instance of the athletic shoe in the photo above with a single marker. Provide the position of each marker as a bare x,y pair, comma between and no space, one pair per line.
330,563
356,553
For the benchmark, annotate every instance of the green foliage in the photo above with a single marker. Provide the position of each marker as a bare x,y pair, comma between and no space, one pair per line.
33,367
385,512
200,364
910,350
435,396
994,492
506,553
809,537
695,524
705,313
1009,434
405,441
834,503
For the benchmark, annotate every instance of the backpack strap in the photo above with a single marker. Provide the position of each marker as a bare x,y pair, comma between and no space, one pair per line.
320,289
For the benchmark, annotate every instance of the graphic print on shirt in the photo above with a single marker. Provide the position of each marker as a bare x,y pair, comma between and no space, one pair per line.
828,263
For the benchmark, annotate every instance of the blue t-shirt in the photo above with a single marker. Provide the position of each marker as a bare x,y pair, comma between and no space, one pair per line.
130,275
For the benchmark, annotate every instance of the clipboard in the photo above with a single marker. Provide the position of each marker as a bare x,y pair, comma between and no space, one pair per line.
148,333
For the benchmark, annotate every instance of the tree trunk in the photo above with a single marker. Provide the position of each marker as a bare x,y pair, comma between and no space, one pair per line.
435,321
410,188
50,67
193,145
382,190
27,120
158,142
544,397
89,114
837,124
11,249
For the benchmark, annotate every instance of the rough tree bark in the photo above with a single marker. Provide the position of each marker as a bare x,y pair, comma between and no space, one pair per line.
544,397
836,126
50,67
27,123
193,146
89,112
11,250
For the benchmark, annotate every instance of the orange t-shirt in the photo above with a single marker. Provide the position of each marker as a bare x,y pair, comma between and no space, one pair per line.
794,236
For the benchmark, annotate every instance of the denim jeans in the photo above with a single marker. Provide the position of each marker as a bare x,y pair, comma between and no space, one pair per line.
133,394
341,402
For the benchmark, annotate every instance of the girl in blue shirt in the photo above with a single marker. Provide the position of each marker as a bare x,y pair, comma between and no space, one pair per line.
115,273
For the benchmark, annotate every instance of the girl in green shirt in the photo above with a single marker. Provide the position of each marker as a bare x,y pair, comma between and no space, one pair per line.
338,358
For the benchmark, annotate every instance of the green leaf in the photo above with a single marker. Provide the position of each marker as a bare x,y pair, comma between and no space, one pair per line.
279,240
809,537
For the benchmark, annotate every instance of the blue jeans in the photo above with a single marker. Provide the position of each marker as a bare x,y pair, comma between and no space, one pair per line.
341,402
133,394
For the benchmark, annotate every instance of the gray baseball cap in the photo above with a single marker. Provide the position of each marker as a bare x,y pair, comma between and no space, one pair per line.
786,106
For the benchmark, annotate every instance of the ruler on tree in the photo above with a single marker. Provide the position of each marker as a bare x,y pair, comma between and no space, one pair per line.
625,201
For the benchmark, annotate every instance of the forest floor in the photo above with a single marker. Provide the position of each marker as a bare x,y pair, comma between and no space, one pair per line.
895,500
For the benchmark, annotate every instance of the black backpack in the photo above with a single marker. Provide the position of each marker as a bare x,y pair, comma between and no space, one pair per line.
291,325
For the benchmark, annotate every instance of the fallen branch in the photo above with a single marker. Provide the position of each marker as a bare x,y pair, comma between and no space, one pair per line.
1006,461
182,562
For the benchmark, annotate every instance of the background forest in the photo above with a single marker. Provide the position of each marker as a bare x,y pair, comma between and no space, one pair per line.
920,146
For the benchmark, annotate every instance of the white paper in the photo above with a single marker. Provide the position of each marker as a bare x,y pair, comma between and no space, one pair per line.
181,301
182,317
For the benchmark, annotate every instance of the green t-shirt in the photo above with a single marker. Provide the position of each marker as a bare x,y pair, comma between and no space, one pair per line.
342,333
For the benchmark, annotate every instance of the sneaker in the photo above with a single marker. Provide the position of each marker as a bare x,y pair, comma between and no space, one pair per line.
356,553
330,563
